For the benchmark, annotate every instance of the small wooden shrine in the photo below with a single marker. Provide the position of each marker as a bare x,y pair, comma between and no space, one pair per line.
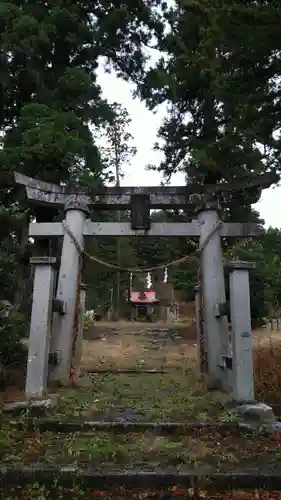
143,304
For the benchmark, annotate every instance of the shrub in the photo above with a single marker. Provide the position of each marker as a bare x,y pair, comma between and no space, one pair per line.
12,350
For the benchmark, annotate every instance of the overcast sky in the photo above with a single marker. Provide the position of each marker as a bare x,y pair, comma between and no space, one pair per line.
144,129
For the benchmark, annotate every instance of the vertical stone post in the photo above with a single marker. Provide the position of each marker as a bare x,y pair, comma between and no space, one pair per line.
201,354
81,316
215,321
242,364
40,327
63,325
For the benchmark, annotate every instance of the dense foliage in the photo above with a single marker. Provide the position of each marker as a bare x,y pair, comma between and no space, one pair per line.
219,74
218,71
50,103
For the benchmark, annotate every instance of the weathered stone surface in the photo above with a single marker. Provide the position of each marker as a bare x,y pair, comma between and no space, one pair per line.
252,416
241,331
63,325
159,196
272,427
35,405
255,415
40,327
241,265
123,229
44,260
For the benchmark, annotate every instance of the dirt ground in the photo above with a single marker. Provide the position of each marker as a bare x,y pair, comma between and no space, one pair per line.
135,346
125,344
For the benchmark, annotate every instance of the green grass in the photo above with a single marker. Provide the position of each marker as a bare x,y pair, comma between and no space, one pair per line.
205,449
174,396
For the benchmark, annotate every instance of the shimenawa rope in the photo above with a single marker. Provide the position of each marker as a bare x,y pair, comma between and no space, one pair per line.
137,270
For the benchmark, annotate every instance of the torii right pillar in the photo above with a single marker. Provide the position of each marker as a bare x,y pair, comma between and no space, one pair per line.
241,331
214,299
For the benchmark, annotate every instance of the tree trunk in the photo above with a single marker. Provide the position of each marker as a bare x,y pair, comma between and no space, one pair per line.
118,242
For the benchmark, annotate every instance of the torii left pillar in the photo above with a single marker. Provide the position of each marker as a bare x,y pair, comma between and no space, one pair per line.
40,327
63,325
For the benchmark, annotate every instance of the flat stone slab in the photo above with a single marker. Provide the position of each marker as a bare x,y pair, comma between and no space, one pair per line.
120,415
164,427
128,425
130,371
33,405
164,336
107,477
272,427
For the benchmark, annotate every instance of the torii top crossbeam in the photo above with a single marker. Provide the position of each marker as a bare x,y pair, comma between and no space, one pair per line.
45,193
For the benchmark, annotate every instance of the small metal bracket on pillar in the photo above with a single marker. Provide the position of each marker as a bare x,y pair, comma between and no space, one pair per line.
63,324
220,310
240,310
40,327
59,306
225,361
54,358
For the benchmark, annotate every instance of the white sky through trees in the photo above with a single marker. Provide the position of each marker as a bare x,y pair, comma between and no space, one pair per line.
144,130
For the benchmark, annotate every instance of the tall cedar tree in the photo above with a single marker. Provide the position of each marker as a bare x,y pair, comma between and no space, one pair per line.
49,96
218,75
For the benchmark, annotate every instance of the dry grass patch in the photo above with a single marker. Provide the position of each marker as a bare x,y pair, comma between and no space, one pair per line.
267,373
127,350
263,337
118,352
132,351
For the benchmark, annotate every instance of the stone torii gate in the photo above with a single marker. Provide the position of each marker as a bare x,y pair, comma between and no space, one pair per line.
77,206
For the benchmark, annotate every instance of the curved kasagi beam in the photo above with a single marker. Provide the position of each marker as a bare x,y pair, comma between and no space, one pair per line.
37,184
249,188
46,193
57,199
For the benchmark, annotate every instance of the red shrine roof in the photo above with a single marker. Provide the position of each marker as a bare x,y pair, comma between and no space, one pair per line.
143,297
